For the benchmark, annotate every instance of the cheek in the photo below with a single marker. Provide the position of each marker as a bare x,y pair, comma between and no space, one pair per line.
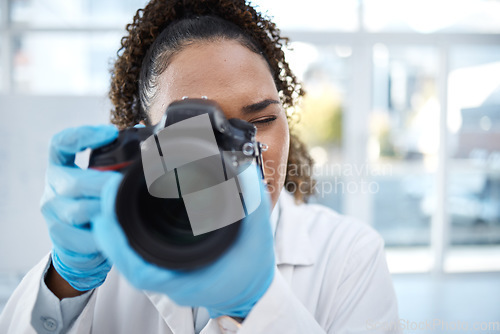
275,159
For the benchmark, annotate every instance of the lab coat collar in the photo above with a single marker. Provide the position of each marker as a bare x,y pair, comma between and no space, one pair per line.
292,242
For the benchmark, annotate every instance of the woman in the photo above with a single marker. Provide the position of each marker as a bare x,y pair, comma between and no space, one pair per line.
302,269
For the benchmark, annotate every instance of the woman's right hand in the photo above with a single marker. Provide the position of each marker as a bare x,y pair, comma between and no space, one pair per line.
70,203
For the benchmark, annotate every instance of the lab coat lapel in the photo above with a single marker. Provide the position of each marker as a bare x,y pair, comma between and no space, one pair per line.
292,242
292,247
178,318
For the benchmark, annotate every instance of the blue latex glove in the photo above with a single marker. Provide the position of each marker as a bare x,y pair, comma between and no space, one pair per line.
229,286
71,201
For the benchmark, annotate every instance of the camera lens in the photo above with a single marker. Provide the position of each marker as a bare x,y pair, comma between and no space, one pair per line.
159,229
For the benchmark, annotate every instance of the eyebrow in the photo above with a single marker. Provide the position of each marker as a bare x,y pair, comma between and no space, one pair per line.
251,108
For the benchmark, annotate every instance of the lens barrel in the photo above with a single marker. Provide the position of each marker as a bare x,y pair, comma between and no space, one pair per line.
159,229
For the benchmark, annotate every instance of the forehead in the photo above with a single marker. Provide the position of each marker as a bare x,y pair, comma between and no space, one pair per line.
222,71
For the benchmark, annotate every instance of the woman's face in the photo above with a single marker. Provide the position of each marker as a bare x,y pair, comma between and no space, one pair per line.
240,81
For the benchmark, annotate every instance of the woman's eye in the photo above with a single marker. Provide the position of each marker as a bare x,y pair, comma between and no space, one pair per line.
264,121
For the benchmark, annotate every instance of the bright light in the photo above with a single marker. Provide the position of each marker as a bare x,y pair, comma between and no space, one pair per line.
343,51
311,14
429,16
427,119
485,123
319,155
469,88
373,148
300,57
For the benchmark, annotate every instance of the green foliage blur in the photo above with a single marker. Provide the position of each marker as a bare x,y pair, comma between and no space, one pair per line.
320,118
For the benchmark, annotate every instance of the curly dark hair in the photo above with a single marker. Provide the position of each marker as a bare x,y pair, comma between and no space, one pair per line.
148,24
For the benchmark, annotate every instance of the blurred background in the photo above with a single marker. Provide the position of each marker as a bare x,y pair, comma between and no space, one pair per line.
402,118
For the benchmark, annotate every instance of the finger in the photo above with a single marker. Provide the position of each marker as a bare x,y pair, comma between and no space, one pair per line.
65,232
72,240
84,266
75,182
70,211
68,142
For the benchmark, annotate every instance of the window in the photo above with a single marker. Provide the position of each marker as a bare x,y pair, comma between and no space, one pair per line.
434,206
473,190
404,131
54,47
324,72
63,63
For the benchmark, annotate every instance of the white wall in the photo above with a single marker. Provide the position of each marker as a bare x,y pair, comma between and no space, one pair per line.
28,123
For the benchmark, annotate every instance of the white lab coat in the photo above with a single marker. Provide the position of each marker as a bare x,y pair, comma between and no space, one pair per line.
331,277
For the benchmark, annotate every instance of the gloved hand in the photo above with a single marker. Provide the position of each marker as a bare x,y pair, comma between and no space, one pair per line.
229,286
71,201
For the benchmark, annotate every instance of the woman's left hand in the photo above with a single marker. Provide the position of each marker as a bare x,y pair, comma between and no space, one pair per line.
231,285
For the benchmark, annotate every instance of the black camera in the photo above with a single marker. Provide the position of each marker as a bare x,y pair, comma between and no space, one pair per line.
164,165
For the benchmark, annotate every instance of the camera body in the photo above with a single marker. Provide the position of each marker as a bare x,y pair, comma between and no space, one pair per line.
177,203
